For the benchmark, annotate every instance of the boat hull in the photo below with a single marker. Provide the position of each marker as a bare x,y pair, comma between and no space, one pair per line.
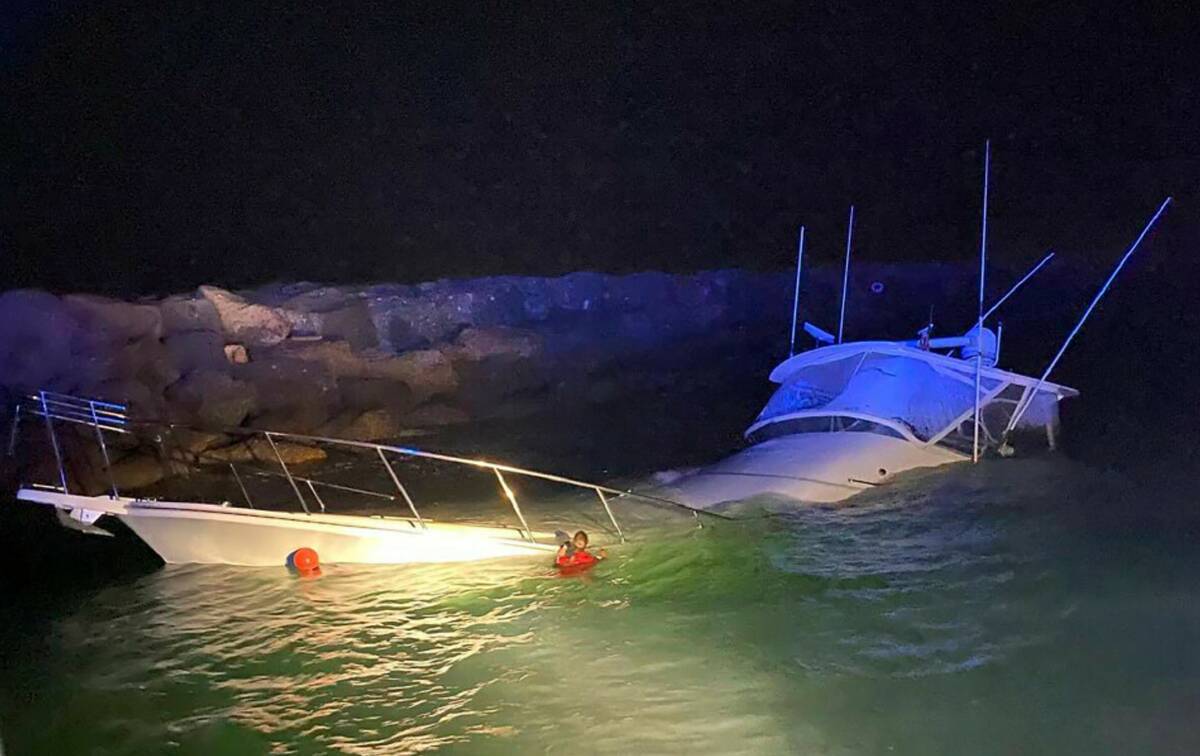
184,533
252,542
817,468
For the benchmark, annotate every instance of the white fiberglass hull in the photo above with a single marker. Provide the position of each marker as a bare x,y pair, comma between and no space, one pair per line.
810,467
182,533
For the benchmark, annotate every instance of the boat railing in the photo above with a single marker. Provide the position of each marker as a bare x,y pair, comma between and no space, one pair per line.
106,417
101,416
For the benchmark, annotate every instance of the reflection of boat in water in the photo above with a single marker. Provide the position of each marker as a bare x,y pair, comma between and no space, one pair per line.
250,535
848,416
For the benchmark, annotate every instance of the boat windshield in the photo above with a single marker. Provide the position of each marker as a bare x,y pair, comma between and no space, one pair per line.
821,424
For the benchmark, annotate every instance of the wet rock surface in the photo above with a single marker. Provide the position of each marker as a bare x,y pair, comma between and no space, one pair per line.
261,450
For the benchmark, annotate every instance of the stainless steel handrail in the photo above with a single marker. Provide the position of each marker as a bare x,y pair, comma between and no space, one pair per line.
110,417
408,451
485,465
325,484
99,415
71,409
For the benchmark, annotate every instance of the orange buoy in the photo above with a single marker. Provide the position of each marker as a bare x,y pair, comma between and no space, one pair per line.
304,560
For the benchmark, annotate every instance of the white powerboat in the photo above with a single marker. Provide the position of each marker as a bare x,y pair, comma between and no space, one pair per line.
190,532
848,417
257,536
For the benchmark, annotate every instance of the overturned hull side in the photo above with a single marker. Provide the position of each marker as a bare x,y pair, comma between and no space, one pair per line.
183,533
814,468
249,542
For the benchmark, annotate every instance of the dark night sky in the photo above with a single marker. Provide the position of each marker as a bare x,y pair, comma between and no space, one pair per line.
154,146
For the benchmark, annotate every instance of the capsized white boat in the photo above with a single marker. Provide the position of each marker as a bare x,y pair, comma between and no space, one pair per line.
848,417
183,532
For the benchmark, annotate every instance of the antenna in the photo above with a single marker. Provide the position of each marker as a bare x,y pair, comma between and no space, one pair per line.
1018,285
987,165
796,296
1031,395
846,275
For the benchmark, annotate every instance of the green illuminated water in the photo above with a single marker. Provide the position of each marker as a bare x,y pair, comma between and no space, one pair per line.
1018,607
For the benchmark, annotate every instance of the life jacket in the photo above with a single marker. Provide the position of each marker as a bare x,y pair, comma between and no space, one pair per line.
575,560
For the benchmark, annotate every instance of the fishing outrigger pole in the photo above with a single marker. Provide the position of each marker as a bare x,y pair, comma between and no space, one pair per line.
1005,448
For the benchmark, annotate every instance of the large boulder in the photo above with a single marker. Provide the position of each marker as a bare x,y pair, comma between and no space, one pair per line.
212,399
139,400
192,444
336,356
412,321
425,372
259,449
330,313
278,373
436,415
492,381
196,350
301,325
317,299
148,362
132,471
375,393
399,335
579,292
115,322
434,312
499,301
372,425
245,322
350,323
36,333
495,364
184,314
639,291
294,395
302,418
477,344
138,471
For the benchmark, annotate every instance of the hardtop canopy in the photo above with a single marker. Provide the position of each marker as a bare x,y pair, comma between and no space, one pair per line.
897,389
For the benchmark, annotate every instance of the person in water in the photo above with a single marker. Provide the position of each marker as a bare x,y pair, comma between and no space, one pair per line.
575,552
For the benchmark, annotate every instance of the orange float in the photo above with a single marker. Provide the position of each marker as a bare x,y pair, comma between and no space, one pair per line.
304,560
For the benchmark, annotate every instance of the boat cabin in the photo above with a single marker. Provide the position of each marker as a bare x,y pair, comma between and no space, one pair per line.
903,391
